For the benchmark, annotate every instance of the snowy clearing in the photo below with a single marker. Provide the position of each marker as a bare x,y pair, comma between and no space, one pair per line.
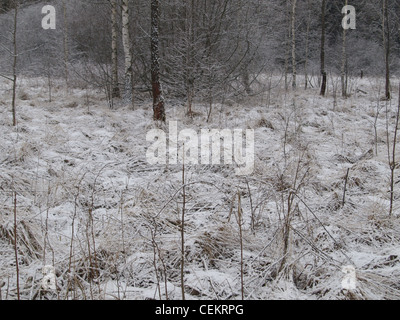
88,203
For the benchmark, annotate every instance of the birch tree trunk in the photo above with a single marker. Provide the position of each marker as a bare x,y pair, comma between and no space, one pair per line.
116,93
158,99
126,40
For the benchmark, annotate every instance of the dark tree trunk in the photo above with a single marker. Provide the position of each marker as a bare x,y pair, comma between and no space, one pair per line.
343,75
323,86
158,99
386,42
15,55
323,72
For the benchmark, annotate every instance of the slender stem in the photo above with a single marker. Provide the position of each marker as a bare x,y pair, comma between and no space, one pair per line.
393,162
183,227
15,243
240,222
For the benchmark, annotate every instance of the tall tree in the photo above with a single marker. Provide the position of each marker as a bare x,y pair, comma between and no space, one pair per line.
322,49
126,40
189,27
293,44
114,48
343,73
65,44
14,64
287,42
307,45
158,99
386,46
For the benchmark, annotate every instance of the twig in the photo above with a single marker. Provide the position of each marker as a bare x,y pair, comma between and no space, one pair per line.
326,230
253,223
6,77
345,186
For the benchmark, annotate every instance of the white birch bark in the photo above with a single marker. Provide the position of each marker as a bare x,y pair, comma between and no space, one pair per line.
126,41
114,49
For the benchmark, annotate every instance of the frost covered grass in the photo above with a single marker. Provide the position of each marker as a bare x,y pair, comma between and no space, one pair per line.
89,204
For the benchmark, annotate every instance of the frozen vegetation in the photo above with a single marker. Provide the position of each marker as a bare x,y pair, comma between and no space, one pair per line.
311,222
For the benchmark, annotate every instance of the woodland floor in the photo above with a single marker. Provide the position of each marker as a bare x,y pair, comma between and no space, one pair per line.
88,203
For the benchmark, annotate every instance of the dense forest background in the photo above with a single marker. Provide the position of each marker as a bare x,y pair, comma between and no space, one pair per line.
208,49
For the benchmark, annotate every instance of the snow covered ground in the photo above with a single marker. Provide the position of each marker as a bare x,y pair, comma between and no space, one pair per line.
88,203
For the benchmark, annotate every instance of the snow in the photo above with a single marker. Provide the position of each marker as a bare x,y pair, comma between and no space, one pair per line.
349,281
108,225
